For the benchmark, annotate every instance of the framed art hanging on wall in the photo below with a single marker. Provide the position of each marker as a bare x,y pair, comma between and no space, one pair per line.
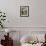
24,11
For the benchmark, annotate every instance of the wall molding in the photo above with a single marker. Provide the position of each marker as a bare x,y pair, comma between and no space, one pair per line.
23,27
26,28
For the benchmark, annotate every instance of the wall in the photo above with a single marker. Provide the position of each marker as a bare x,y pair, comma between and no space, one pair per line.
37,13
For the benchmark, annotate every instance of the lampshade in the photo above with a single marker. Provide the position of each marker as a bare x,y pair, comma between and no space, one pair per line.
7,30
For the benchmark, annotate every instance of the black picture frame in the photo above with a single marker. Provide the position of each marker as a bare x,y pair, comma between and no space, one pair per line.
24,11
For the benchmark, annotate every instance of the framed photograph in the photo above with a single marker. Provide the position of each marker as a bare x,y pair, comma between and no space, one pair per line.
24,11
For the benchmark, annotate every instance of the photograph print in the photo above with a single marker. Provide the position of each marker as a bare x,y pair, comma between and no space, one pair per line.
24,11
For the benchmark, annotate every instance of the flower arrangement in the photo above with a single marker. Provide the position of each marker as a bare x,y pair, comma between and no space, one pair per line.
2,19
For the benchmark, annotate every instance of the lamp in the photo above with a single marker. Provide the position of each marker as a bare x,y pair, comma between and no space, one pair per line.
7,31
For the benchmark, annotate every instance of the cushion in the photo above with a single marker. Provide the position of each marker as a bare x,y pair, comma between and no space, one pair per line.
26,39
